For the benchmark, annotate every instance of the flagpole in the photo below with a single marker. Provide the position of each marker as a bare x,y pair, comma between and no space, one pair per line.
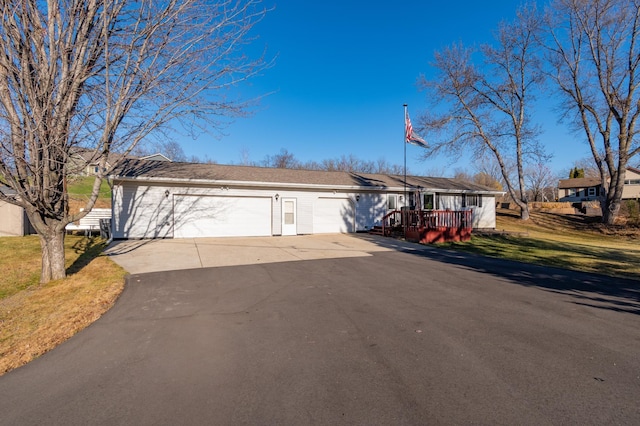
404,142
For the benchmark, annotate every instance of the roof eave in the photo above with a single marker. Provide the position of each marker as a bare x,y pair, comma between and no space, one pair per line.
294,185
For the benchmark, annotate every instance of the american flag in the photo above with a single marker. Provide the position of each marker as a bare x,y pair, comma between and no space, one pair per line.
410,136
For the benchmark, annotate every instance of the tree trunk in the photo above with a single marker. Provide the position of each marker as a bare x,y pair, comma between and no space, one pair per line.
524,211
610,210
53,259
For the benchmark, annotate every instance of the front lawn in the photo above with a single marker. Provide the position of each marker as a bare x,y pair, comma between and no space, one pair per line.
565,241
35,318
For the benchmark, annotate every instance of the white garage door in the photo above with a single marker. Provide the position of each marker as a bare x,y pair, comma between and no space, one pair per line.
197,216
333,215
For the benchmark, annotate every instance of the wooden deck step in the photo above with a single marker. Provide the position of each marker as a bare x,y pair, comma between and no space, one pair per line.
376,230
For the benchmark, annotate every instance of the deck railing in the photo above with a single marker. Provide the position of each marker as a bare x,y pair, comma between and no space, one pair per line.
429,225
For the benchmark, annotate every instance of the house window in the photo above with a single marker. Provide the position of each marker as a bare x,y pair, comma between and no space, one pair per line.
471,200
289,213
632,182
427,201
392,202
591,192
571,192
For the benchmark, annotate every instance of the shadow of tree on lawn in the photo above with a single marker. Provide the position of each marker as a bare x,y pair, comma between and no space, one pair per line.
89,248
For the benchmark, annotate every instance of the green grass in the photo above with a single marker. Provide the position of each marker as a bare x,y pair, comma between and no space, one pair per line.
81,186
554,240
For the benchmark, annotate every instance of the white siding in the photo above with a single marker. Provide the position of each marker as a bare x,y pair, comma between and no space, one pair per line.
147,211
333,215
483,217
629,190
370,210
221,216
142,212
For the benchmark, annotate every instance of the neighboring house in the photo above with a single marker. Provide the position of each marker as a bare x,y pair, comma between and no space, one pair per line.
85,161
590,189
154,157
579,189
13,219
153,199
631,190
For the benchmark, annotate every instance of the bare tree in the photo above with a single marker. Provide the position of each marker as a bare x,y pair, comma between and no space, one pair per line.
541,182
479,178
594,53
283,160
167,147
103,75
588,167
489,104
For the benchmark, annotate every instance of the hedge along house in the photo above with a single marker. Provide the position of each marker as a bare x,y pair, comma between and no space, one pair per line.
155,199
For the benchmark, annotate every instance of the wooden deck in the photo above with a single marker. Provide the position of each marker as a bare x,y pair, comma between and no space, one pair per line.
427,226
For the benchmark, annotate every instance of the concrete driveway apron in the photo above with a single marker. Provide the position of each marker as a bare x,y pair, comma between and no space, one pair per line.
142,256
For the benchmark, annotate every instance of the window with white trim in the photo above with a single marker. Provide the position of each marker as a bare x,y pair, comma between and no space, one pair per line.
427,201
591,192
471,200
392,202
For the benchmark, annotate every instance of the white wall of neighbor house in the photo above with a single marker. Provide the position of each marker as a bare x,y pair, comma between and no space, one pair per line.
11,220
631,189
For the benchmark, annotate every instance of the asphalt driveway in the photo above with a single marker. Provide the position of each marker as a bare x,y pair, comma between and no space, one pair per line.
399,335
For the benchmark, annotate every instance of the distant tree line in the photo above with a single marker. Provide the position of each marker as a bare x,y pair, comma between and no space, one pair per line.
345,163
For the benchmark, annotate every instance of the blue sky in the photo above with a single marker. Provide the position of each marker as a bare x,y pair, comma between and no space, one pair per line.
343,71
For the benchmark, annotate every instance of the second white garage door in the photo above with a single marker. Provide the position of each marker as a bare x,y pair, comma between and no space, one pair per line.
333,215
198,216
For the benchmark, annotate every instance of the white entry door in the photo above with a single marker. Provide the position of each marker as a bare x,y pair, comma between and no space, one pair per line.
289,218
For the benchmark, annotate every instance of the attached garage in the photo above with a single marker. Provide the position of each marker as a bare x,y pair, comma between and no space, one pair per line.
219,216
160,199
333,215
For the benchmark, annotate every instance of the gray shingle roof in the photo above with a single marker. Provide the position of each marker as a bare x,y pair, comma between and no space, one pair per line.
216,173
578,183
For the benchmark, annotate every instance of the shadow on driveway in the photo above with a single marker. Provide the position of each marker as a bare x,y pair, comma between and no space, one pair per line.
598,291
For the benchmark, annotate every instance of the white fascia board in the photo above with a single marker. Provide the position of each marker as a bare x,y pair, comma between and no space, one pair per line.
208,182
246,183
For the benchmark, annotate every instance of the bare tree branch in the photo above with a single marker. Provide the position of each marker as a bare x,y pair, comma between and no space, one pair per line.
594,56
105,75
488,105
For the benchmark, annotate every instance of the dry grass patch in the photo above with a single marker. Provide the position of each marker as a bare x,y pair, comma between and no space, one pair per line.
19,263
36,318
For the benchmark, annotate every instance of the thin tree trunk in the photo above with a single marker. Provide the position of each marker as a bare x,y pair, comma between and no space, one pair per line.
53,264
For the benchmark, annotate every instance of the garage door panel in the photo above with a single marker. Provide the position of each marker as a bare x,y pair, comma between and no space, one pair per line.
333,215
198,216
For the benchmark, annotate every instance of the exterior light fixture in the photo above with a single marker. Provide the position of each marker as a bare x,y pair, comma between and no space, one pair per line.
277,196
166,193
358,197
